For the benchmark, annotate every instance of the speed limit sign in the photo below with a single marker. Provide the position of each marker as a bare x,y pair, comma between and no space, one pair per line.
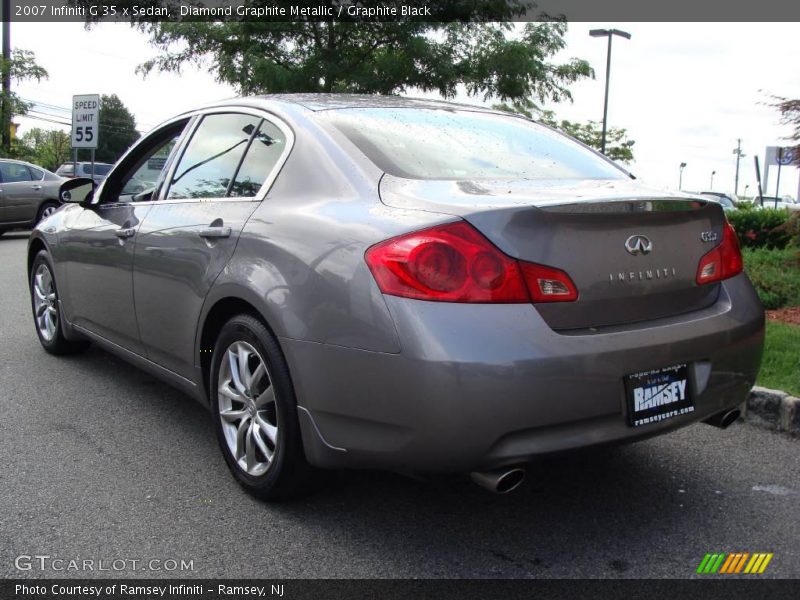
85,120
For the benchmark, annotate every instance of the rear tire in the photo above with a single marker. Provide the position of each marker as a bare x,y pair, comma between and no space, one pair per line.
255,412
45,210
47,310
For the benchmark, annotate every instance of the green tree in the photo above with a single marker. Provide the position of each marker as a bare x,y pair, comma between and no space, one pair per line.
618,146
21,66
493,60
117,129
47,148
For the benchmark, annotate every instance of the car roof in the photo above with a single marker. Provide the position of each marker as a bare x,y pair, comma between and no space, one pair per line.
321,102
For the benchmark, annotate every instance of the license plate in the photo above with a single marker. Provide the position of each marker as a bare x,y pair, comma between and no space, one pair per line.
658,395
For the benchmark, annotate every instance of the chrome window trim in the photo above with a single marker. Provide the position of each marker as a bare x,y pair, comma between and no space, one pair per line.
193,126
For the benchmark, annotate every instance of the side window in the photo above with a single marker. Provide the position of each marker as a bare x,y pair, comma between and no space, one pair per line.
138,177
266,148
36,174
145,177
13,172
211,158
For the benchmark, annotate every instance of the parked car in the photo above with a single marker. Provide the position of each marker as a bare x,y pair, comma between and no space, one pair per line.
786,202
84,169
28,193
377,282
727,203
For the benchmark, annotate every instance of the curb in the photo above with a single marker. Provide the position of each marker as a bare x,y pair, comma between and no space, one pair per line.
773,409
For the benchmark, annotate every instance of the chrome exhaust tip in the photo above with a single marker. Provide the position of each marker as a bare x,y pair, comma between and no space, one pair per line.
500,481
723,419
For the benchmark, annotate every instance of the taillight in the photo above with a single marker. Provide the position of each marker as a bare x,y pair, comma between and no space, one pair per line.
455,263
724,261
547,284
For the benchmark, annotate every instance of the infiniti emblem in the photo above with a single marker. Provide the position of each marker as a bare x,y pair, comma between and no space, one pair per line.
638,244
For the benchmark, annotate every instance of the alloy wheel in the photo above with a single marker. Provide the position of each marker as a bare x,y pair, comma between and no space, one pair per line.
48,210
45,303
247,408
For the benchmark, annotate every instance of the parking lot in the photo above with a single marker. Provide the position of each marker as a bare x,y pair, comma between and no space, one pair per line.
101,461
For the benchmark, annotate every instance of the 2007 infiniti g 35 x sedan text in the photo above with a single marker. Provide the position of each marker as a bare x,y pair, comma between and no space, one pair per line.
352,282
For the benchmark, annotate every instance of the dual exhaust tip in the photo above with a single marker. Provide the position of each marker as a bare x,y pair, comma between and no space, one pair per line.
499,481
505,480
723,419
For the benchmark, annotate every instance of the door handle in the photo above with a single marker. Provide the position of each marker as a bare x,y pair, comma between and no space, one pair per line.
215,232
36,187
125,233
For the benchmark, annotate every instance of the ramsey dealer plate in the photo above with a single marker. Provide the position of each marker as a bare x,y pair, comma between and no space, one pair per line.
657,395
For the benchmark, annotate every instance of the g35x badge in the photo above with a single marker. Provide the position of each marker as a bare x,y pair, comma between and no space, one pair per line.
708,236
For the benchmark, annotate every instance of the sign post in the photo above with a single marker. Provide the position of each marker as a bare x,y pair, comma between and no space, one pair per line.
85,125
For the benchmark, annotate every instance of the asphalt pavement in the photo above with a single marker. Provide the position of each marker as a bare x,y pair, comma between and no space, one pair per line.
101,462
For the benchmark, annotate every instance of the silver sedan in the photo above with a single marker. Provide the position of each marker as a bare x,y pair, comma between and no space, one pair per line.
366,282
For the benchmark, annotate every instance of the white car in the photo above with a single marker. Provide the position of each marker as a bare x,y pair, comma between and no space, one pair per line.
773,202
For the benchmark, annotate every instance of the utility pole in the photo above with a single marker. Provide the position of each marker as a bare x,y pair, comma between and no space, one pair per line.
6,111
739,155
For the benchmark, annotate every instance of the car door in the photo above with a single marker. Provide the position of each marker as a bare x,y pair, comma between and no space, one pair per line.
20,193
190,233
97,248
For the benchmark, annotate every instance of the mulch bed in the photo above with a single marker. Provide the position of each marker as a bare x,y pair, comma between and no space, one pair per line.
790,314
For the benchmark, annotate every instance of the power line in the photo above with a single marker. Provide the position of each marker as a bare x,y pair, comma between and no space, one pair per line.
46,105
145,128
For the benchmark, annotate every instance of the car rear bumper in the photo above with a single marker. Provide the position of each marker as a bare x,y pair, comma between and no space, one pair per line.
483,386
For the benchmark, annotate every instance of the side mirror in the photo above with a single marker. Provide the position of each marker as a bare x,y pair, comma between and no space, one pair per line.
78,190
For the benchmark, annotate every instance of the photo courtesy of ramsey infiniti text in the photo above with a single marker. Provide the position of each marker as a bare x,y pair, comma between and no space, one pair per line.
410,285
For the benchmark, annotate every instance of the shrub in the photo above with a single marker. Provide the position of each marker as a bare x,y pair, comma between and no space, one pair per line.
792,228
762,228
775,275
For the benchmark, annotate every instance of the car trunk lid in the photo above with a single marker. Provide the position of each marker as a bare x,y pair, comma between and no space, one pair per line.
631,252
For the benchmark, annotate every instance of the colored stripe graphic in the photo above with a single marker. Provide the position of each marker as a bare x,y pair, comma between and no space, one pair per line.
734,563
729,562
703,563
744,558
764,564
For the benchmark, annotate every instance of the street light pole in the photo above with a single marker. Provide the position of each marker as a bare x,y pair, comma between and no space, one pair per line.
739,155
711,185
680,175
609,33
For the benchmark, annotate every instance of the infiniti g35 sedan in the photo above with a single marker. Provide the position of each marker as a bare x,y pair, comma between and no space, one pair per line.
417,286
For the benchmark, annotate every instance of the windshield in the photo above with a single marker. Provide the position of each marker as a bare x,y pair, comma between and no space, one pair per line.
461,144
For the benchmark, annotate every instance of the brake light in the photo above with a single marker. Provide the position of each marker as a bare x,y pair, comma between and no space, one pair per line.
455,263
547,284
723,262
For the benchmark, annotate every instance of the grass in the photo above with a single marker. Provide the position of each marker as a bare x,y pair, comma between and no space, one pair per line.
775,275
780,369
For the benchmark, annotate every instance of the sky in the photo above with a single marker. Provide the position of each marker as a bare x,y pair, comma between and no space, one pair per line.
684,91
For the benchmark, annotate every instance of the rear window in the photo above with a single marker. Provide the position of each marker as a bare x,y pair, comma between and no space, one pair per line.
462,144
98,169
14,172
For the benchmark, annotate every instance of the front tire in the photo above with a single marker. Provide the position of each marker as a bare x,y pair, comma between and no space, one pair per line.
255,411
46,309
45,210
